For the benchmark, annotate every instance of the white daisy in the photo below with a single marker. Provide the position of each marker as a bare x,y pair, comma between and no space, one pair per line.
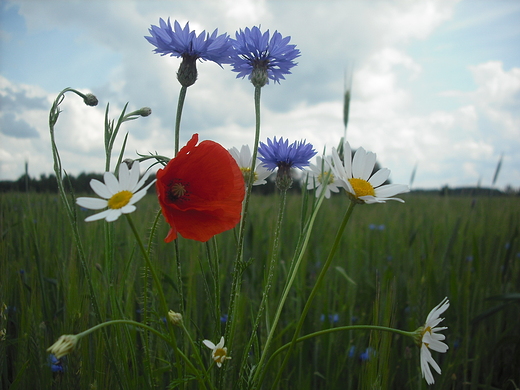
357,179
243,159
429,339
320,175
64,345
219,352
118,195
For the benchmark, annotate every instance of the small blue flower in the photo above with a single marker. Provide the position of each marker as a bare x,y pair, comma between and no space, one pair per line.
367,355
54,363
282,155
181,42
261,58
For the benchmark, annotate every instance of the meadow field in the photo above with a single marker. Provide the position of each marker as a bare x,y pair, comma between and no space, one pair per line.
395,263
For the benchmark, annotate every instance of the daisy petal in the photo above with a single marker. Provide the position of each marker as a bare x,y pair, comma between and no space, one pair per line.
97,216
92,203
111,183
124,177
100,189
379,177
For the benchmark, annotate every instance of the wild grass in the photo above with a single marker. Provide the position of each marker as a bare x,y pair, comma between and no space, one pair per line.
396,262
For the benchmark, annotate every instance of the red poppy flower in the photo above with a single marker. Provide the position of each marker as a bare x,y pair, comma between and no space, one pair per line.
200,191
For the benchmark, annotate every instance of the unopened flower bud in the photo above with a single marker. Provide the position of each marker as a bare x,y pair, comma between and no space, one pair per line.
187,74
259,76
129,162
175,318
65,345
145,111
283,178
90,100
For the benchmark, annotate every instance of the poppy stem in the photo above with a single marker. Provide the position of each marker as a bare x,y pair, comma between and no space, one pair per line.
160,290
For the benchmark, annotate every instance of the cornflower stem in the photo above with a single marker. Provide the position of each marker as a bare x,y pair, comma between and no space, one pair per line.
170,341
71,214
314,290
260,371
180,105
157,282
238,267
268,282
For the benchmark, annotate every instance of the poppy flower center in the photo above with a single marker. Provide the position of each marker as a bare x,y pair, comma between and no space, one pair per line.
362,187
120,200
177,191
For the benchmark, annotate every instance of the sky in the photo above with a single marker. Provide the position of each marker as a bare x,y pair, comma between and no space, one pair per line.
435,85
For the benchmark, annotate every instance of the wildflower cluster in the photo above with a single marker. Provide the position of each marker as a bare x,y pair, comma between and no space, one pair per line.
204,190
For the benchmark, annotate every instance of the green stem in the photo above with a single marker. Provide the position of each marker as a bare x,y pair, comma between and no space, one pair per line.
340,329
157,282
53,119
288,286
314,290
268,283
151,330
180,105
238,267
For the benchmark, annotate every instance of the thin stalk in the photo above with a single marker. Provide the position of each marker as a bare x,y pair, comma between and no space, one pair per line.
157,282
287,288
180,105
238,267
155,332
314,290
53,119
269,281
339,329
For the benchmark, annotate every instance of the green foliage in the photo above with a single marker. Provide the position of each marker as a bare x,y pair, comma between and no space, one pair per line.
395,264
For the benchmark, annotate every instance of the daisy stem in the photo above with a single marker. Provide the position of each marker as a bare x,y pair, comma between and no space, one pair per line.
238,267
159,289
294,269
180,105
314,290
58,170
340,329
155,332
268,283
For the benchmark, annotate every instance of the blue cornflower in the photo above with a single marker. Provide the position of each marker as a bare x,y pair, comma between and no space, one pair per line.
181,42
279,154
282,155
54,363
261,58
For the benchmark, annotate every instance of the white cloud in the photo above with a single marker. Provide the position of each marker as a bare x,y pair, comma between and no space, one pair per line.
372,35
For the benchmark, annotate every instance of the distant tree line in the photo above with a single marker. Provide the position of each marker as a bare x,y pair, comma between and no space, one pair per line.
48,184
81,184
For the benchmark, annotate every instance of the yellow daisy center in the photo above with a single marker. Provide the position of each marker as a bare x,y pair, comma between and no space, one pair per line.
219,355
120,199
362,187
323,176
246,172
